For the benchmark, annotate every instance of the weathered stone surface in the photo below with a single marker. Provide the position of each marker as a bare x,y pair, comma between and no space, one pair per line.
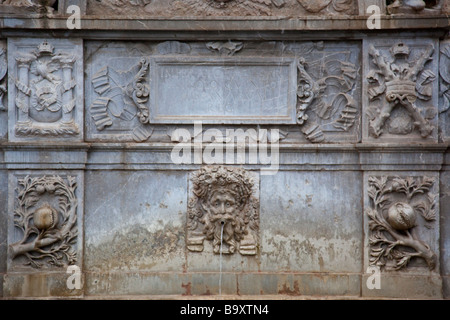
309,223
223,8
39,285
405,287
3,219
293,284
135,221
444,91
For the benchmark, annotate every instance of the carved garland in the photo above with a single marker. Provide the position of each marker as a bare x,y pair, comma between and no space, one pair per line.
49,234
393,216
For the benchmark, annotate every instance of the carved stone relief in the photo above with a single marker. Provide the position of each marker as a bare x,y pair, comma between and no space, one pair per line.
3,82
402,91
401,211
123,95
224,209
311,86
414,6
326,93
444,90
45,219
224,7
42,6
45,89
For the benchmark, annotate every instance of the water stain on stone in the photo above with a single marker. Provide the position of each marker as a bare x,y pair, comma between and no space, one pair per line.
188,288
137,248
288,291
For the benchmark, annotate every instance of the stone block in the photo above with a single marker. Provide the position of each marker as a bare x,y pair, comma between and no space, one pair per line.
134,284
297,285
40,285
403,286
135,221
3,219
309,222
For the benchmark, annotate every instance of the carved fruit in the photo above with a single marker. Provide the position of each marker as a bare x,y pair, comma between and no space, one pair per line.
45,217
50,188
401,216
40,189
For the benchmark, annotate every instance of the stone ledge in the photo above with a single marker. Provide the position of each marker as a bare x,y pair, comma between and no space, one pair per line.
221,24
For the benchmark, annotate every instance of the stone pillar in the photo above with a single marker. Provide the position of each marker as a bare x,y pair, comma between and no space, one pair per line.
68,84
23,65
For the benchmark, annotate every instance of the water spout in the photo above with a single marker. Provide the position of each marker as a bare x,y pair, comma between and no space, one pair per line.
222,223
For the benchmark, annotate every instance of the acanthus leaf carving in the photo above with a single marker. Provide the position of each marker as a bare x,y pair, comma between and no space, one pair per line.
400,82
49,230
393,220
223,197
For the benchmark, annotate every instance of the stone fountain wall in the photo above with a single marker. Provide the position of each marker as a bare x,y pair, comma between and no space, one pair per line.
343,187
